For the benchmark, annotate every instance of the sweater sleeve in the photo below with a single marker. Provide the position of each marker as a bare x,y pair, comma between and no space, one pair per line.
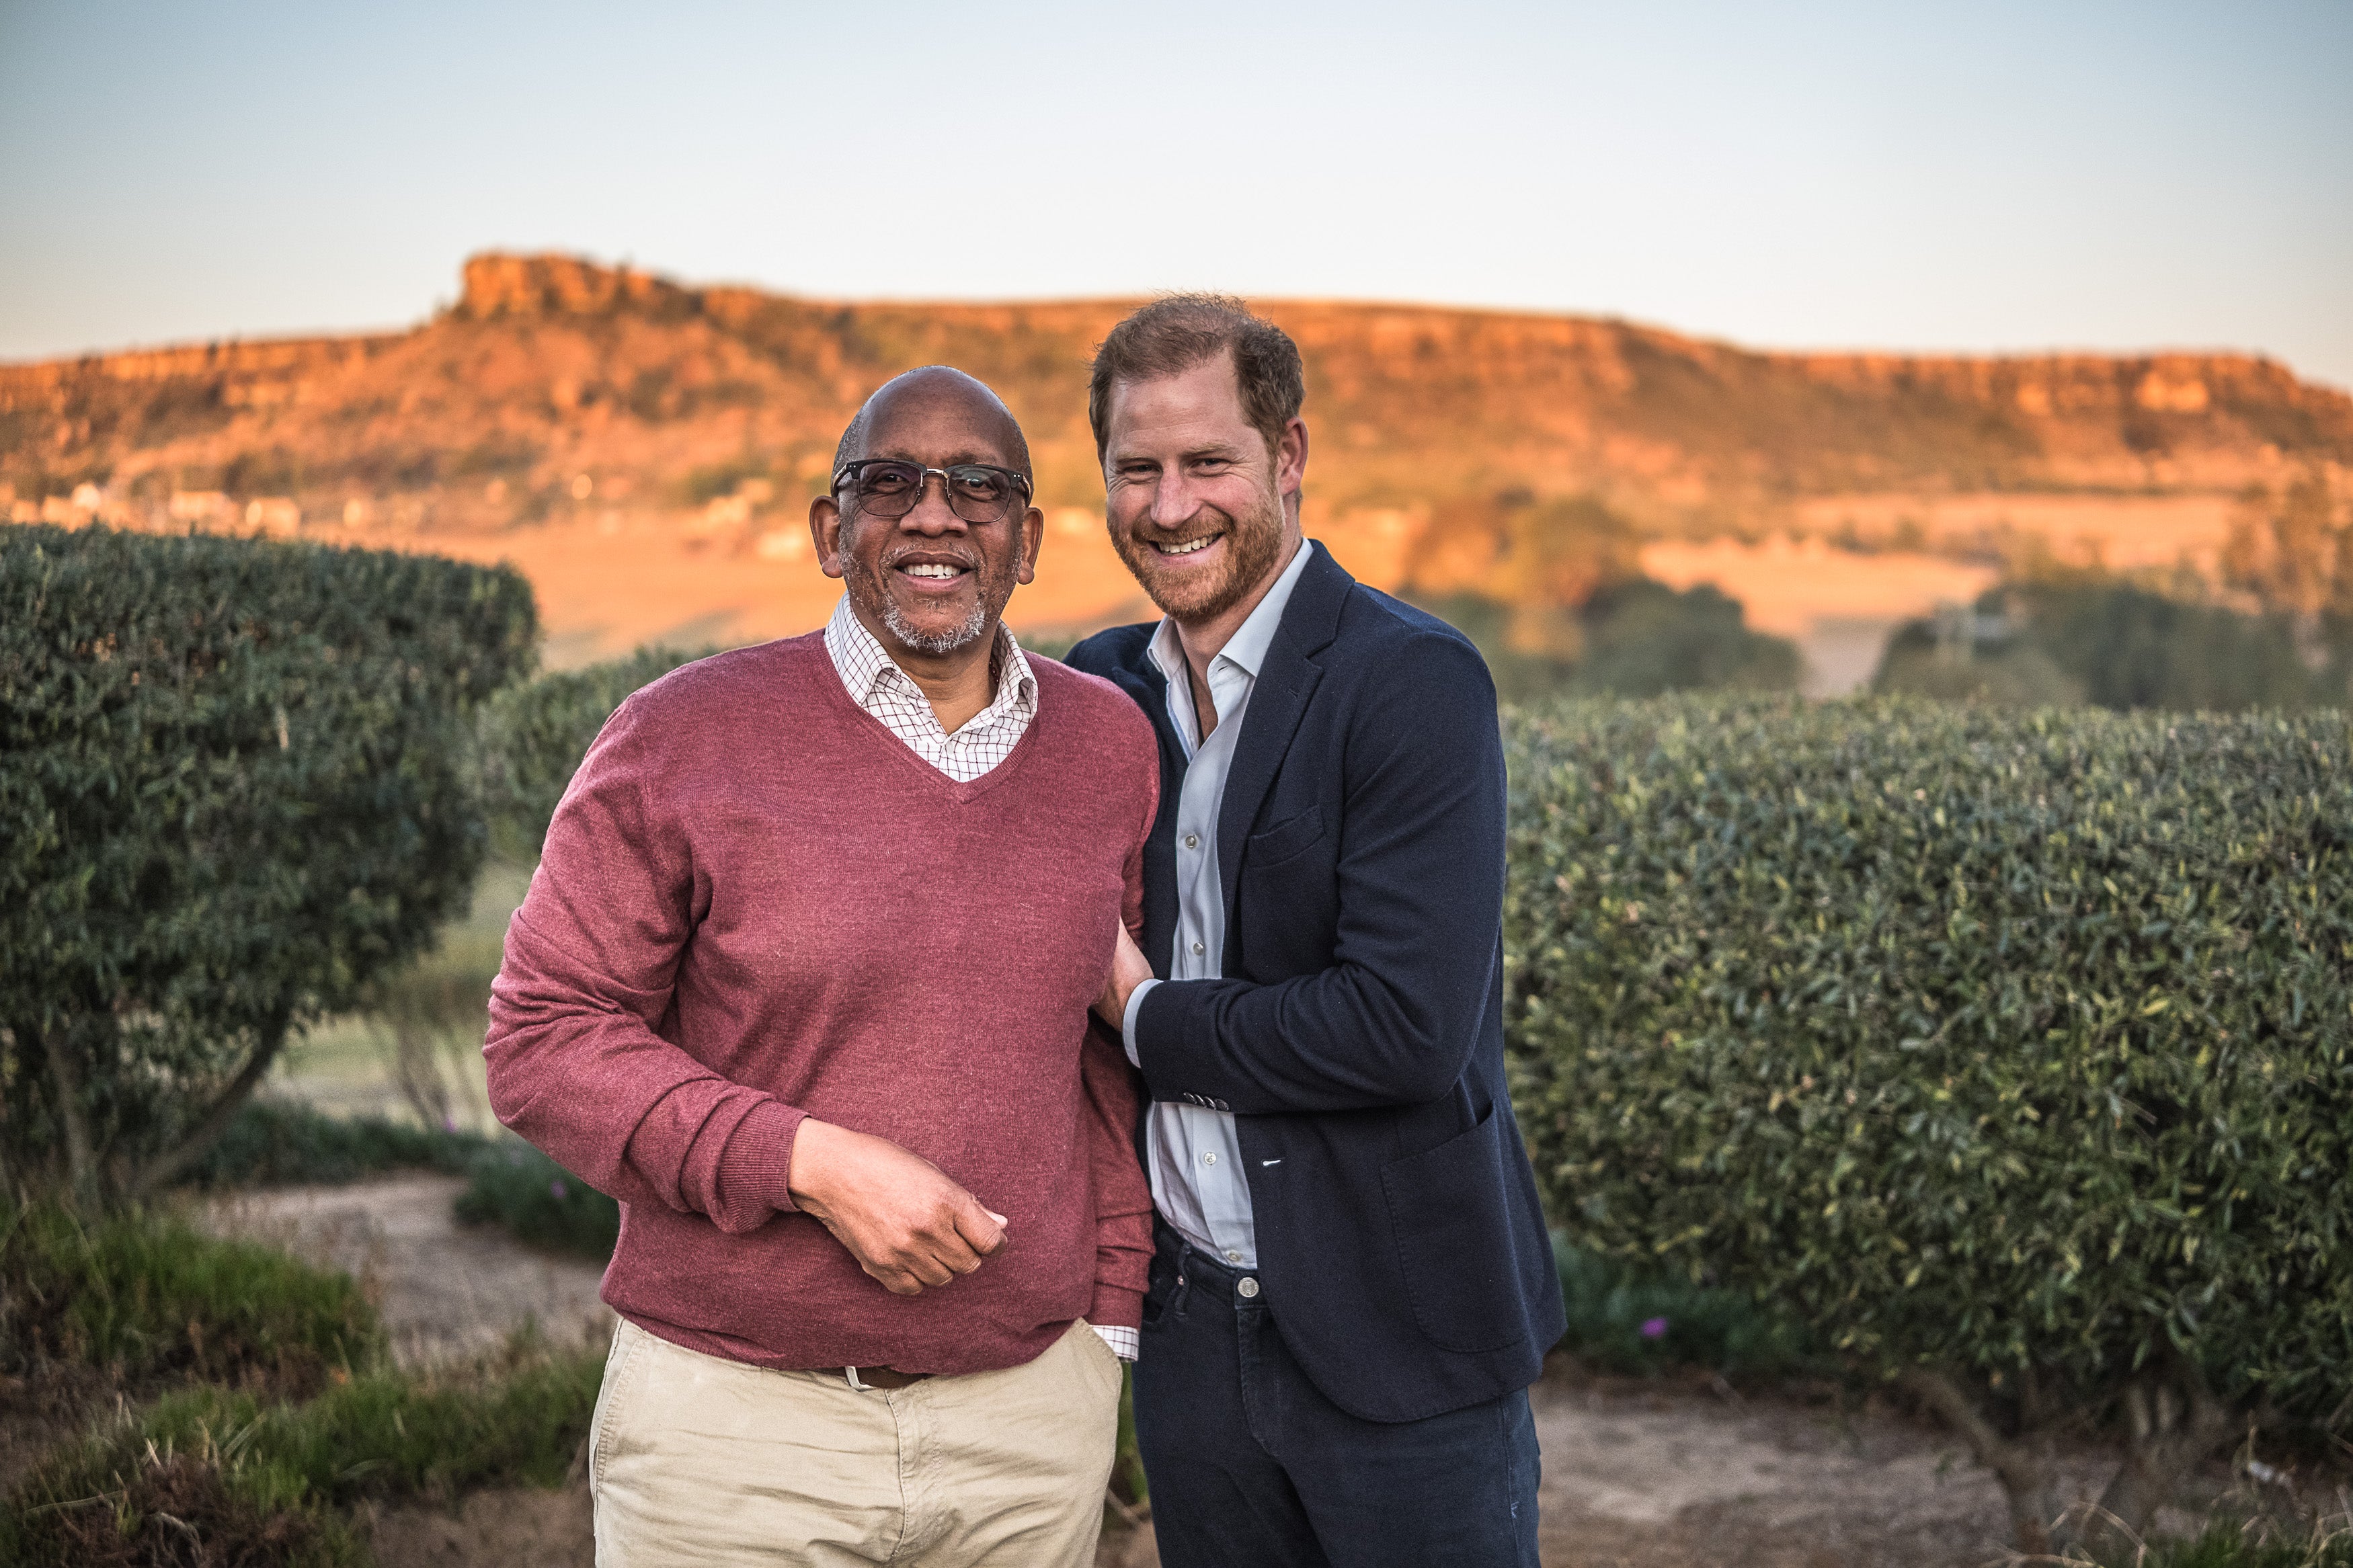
576,1062
1123,1195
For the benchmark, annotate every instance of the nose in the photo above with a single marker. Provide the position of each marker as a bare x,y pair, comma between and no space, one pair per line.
931,516
1173,501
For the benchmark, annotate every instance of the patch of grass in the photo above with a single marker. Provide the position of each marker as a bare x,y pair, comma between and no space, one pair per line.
2226,1544
274,1479
1623,1320
276,1143
539,1202
140,1296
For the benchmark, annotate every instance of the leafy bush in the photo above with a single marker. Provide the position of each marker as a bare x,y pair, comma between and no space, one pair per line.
235,775
2117,643
1625,1317
269,1478
276,1143
539,1201
533,736
1631,638
2010,1052
139,1296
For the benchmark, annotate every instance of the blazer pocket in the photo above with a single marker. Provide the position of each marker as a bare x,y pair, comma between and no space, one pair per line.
1293,836
1447,1211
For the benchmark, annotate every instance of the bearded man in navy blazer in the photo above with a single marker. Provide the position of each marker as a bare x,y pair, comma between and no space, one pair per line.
1352,1286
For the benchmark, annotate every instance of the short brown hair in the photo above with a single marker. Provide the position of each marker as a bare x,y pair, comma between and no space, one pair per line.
1174,334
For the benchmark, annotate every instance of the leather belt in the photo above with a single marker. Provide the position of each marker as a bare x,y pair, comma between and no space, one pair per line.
863,1378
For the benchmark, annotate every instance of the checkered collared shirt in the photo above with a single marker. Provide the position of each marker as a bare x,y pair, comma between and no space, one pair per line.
891,694
888,693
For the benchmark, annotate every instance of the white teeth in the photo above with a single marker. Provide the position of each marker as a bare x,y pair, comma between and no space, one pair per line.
931,571
1188,549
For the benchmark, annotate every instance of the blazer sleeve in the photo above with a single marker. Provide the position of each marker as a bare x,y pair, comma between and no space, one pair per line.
1395,1017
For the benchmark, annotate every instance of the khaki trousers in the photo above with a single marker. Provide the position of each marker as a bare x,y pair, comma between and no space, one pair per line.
695,1459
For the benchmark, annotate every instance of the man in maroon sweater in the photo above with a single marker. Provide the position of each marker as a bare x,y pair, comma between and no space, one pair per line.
803,980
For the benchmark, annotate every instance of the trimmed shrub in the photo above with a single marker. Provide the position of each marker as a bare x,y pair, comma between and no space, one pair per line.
2010,1053
238,780
533,736
277,1142
515,1185
1628,1317
142,1296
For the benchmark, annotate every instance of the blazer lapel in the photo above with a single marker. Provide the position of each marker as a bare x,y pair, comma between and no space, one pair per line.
1278,701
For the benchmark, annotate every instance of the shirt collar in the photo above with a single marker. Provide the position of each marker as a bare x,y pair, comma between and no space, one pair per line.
1246,650
864,665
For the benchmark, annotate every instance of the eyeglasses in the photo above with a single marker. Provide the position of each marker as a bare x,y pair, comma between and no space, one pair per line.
977,492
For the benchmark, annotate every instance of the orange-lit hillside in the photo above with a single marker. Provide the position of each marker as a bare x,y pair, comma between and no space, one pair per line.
645,450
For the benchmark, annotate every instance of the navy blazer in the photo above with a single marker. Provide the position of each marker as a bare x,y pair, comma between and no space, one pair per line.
1358,1038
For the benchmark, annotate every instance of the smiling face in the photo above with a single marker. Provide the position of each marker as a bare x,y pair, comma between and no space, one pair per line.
930,586
1201,511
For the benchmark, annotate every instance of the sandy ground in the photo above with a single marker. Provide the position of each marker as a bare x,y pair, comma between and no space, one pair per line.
445,1290
1635,1476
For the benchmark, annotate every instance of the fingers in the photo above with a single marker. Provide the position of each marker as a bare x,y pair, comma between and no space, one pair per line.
980,1229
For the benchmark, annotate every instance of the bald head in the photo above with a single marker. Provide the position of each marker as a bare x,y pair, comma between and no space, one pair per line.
935,387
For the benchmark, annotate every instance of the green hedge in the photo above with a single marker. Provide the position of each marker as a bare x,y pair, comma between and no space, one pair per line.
2010,1052
533,736
515,1185
238,782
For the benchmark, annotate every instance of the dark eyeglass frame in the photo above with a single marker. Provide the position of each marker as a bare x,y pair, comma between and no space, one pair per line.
851,473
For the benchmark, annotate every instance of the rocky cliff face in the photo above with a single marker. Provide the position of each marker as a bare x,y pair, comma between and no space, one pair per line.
550,366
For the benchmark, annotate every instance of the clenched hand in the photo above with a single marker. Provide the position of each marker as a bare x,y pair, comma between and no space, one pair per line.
900,1217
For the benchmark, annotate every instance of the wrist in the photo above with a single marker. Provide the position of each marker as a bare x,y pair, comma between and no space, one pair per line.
813,1144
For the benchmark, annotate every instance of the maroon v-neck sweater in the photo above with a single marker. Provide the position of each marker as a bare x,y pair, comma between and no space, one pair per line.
756,903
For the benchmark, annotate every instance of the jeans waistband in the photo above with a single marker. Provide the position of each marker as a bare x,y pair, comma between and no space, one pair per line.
1197,1270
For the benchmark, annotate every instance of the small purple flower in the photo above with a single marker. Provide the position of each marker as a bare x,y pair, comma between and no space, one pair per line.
1654,1328
556,1188
448,1124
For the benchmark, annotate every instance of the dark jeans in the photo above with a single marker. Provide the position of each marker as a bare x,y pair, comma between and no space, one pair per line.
1249,1464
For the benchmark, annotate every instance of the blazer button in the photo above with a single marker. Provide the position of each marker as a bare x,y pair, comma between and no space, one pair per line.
1246,1288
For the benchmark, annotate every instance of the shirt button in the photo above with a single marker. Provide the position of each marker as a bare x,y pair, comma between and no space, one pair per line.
1246,1288
1209,1159
1192,841
1233,1256
1198,949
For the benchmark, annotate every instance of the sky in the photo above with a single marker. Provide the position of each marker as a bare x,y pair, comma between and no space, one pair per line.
1981,177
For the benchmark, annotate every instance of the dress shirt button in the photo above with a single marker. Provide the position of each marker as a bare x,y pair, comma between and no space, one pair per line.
1192,841
1246,1288
1209,1159
1199,950
1233,1256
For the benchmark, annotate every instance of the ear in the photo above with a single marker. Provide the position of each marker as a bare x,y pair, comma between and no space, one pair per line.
825,529
1291,459
1033,538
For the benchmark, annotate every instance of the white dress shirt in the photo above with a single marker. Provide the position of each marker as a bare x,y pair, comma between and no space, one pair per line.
1193,1152
880,686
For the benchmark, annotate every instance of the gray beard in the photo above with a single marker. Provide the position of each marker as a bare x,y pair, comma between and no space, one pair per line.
935,643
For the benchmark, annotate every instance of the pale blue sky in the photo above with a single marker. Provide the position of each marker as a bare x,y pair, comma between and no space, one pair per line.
1984,176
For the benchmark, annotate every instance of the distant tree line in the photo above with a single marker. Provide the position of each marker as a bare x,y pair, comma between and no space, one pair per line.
2271,628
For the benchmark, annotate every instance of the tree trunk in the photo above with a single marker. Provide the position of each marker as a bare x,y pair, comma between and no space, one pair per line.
2029,1483
81,1154
2175,1423
215,1122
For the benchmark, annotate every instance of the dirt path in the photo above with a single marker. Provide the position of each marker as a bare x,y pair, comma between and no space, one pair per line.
445,1290
1633,1477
